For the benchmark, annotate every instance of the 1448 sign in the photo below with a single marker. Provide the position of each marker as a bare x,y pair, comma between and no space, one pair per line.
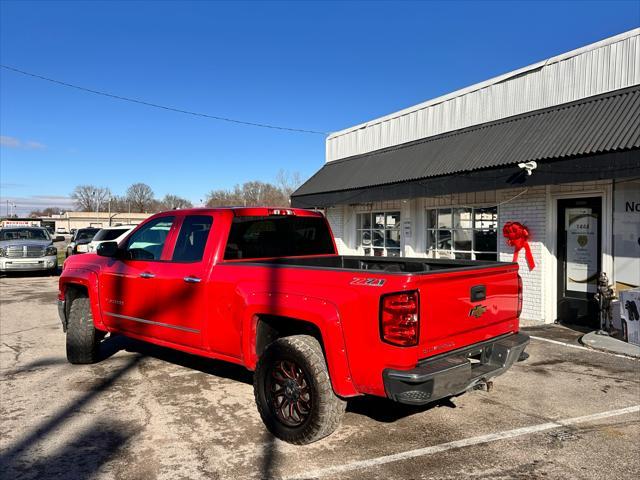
582,250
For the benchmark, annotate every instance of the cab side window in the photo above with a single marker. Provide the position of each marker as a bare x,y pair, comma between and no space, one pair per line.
148,242
192,238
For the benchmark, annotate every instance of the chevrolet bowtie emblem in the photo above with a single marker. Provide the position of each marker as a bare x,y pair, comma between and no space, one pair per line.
477,311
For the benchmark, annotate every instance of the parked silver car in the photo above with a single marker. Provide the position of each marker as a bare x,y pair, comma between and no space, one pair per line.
28,249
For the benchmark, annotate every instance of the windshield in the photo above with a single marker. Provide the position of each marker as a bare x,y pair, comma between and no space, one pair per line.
24,234
86,234
109,234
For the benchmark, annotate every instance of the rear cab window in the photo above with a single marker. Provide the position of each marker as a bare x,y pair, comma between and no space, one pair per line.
286,236
192,238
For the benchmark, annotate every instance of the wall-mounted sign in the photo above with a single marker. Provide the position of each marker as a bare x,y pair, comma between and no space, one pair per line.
406,228
582,249
626,234
19,223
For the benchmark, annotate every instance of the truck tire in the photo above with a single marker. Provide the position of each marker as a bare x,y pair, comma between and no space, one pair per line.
83,339
293,391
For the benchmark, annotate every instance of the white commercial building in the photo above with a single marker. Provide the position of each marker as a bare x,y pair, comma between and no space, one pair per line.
75,220
554,146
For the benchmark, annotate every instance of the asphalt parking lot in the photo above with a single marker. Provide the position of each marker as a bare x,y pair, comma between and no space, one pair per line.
149,413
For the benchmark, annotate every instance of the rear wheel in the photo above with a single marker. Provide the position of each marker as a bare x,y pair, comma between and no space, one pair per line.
83,339
293,391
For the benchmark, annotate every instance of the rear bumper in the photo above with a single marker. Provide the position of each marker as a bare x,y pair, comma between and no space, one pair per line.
455,372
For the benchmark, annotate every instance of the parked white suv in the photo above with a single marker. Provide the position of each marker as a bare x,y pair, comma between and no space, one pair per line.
109,234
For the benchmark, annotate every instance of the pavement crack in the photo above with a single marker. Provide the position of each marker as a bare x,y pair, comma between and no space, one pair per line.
39,327
15,349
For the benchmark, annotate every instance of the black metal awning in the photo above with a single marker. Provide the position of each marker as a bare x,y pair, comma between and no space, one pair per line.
593,138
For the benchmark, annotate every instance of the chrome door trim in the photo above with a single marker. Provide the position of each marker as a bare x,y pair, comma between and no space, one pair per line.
151,322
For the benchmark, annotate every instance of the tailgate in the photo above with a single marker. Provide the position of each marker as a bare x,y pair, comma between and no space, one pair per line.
461,308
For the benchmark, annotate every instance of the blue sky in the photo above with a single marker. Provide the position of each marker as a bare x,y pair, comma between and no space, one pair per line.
320,66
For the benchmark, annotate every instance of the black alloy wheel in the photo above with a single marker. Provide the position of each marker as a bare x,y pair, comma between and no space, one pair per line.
289,393
293,391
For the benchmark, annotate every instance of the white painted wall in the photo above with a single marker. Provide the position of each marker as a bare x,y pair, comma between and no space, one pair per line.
534,207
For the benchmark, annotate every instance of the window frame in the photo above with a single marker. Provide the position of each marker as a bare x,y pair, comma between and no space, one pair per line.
433,251
373,228
178,228
169,243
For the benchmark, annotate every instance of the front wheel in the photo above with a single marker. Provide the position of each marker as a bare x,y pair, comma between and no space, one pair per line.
293,391
83,340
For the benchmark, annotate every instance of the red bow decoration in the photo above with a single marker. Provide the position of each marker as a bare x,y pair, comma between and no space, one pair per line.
517,236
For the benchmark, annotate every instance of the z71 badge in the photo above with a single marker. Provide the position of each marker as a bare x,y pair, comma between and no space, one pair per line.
368,282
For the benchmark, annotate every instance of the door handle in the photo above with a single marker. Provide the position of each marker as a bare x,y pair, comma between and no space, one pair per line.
192,279
147,275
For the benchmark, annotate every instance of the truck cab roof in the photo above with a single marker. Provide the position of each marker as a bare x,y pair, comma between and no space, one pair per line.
248,211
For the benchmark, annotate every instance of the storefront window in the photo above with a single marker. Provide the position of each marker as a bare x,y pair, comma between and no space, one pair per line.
378,233
465,233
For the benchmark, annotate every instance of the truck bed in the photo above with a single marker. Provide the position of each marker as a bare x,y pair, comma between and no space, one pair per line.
376,264
462,302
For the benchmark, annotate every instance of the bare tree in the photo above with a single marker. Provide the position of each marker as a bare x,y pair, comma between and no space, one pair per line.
89,198
46,212
224,198
119,204
140,196
288,182
249,194
173,202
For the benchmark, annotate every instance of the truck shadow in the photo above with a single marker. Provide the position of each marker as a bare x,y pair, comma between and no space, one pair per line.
209,366
387,411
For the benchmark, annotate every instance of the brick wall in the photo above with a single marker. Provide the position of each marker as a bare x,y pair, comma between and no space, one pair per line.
530,209
335,217
528,206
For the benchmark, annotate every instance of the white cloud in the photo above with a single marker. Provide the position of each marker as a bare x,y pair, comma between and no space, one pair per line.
13,142
25,205
10,142
31,145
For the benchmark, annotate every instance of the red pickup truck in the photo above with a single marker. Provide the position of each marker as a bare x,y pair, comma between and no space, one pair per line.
265,288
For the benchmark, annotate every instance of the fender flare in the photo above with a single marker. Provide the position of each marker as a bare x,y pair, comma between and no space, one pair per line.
89,280
318,312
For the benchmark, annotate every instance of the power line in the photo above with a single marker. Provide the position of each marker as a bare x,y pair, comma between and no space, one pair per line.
163,107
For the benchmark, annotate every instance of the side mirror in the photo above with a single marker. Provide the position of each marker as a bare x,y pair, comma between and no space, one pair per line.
59,238
108,249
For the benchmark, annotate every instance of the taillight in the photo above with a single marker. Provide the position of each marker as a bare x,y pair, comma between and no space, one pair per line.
399,318
519,296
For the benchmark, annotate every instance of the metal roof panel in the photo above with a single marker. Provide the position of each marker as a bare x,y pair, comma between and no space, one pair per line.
603,123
